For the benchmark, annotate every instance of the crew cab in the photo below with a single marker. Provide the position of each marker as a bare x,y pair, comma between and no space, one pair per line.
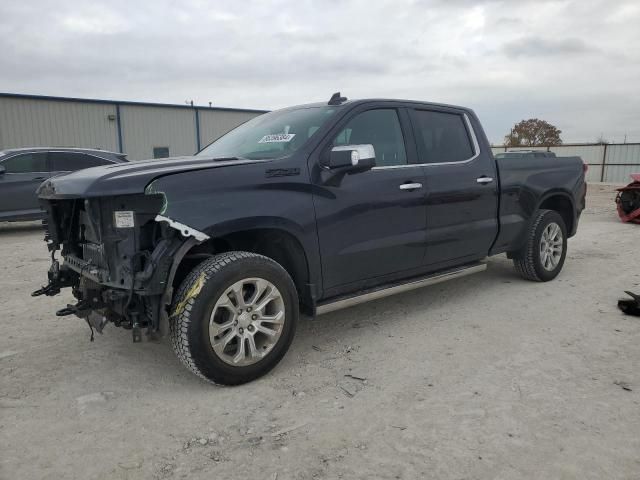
305,209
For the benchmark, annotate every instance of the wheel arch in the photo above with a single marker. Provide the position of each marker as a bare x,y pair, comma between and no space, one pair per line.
562,202
556,200
275,238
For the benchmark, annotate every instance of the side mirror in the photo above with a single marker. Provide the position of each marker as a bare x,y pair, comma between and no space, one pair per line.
352,158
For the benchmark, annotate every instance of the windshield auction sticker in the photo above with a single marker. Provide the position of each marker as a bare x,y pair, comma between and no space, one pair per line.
277,138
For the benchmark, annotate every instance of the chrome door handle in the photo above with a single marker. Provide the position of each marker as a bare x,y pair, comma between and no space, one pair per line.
484,180
410,186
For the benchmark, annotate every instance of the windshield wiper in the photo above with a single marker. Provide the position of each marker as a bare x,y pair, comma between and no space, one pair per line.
223,159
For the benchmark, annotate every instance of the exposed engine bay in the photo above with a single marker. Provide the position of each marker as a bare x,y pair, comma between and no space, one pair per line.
120,257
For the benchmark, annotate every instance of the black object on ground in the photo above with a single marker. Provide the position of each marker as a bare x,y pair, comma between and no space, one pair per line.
630,307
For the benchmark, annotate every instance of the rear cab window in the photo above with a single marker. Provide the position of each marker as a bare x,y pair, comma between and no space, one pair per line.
442,137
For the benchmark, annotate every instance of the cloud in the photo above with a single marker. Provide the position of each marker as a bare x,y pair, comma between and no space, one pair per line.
94,20
574,63
543,47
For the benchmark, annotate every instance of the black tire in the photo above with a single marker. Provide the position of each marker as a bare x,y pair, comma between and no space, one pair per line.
194,303
528,261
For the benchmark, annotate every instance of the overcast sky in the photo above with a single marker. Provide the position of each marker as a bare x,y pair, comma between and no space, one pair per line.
575,63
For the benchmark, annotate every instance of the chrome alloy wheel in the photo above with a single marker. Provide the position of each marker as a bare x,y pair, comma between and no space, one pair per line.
551,246
246,321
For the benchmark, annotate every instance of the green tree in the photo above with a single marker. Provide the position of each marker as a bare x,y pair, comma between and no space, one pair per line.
533,133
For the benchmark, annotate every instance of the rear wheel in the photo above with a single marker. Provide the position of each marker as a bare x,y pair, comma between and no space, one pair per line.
234,317
543,255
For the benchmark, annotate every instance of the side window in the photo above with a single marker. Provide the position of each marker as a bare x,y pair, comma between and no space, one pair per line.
29,162
441,137
72,161
380,128
91,161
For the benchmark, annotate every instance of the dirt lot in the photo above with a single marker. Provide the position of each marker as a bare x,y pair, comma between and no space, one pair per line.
488,376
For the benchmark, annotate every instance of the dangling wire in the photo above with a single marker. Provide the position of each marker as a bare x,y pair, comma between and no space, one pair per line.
90,328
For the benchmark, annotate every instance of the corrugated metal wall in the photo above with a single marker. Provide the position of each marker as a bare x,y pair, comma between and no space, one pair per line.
36,123
619,160
592,154
27,121
146,127
213,125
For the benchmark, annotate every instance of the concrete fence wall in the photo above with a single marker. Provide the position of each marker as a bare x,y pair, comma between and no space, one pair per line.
611,163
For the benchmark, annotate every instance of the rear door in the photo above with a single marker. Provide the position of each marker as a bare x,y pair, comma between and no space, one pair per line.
461,187
371,224
23,174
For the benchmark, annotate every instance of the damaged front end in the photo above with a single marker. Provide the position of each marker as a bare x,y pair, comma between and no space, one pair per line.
119,257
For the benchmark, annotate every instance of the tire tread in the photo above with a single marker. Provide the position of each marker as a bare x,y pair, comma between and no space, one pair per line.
524,261
179,324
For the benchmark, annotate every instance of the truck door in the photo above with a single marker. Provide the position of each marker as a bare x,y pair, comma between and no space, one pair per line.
461,187
22,175
371,224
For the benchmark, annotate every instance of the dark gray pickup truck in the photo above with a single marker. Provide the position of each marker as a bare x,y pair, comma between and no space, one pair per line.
306,209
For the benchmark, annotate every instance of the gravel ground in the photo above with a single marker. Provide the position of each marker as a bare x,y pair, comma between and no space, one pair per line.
488,376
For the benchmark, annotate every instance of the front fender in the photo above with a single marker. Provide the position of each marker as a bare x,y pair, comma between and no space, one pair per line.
219,202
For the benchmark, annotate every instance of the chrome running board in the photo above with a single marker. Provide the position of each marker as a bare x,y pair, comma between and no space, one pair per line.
404,287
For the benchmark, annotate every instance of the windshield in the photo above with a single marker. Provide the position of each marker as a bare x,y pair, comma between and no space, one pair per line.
272,135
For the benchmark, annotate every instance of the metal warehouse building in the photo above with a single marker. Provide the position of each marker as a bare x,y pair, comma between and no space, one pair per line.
141,130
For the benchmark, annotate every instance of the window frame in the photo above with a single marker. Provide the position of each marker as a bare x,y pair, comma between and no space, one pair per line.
47,165
471,134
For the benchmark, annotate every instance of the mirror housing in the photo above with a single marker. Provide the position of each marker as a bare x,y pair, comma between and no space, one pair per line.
353,158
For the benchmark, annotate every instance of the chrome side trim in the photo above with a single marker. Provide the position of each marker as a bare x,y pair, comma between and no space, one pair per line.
390,167
375,295
474,141
184,230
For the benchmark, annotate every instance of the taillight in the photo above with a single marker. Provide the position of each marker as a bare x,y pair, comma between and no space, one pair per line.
585,167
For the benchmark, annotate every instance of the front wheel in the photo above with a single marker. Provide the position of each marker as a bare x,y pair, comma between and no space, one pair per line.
234,317
543,255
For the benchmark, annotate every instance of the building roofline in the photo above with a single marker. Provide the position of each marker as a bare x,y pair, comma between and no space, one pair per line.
126,102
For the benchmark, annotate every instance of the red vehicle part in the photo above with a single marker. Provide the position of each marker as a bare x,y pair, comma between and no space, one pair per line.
628,200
